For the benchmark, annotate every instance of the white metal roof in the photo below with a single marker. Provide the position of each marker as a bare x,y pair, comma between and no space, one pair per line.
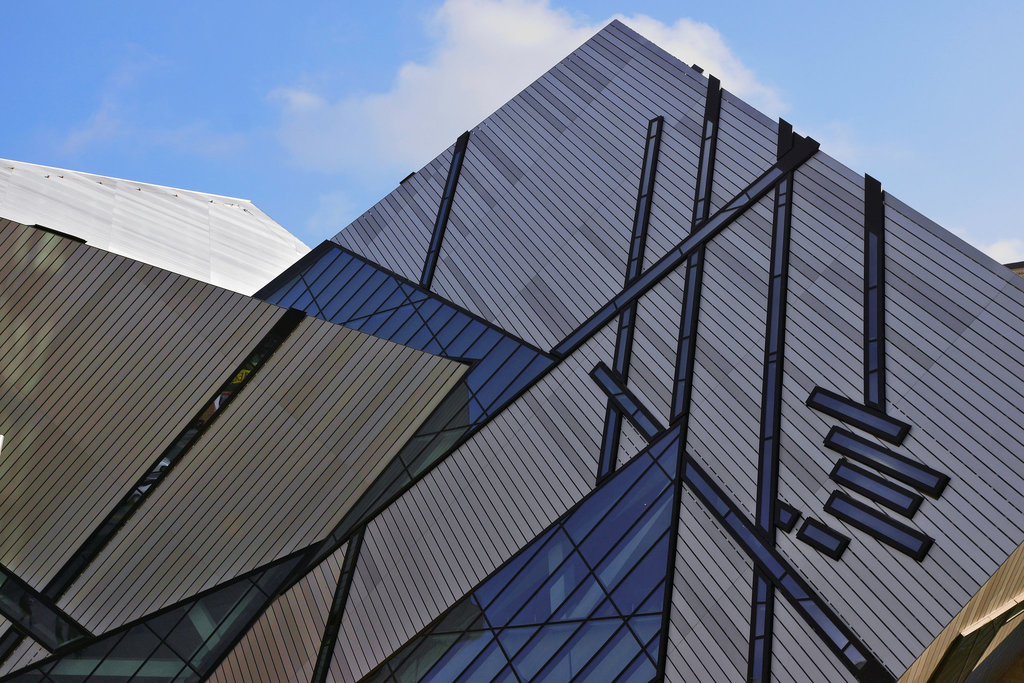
221,240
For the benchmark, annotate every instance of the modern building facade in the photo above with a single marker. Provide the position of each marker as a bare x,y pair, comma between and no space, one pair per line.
630,383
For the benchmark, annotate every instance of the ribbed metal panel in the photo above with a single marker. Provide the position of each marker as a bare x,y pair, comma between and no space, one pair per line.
282,645
221,240
27,653
341,404
105,361
708,624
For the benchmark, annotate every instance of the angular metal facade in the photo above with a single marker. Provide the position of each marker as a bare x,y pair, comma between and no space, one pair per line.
630,383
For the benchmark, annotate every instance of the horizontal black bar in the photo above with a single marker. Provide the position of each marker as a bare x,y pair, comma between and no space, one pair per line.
858,415
802,150
883,527
611,382
878,489
823,538
786,516
886,461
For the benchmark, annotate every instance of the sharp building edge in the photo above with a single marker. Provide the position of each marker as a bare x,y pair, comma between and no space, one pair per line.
629,383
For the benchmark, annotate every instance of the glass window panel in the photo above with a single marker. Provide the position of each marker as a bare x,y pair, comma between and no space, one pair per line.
394,322
501,578
459,656
645,628
332,259
489,392
640,670
486,666
653,525
554,592
483,344
514,638
460,617
638,584
623,515
529,579
451,330
616,655
532,658
594,508
570,660
460,346
161,666
430,650
538,365
127,656
233,624
655,602
329,285
582,602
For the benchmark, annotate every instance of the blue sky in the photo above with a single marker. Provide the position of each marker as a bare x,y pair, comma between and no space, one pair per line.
316,110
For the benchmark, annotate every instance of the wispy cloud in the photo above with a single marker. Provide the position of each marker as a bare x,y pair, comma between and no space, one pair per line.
117,121
486,52
1005,251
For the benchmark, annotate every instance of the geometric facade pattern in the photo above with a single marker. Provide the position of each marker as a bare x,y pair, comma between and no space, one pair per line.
630,383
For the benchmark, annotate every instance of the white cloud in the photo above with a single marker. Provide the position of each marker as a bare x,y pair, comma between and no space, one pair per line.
487,51
1005,251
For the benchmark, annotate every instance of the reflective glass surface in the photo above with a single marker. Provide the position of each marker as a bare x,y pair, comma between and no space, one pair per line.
583,601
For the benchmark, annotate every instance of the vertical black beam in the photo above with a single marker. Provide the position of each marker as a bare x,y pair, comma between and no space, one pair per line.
444,210
681,387
333,626
762,602
686,350
874,294
634,264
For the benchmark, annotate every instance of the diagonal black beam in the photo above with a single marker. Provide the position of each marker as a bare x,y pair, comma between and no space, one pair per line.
802,150
762,600
781,575
333,625
634,264
444,210
34,615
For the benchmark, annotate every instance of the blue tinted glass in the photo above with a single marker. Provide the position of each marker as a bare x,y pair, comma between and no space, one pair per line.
555,551
328,285
486,666
582,602
593,508
622,517
486,592
645,628
641,670
615,656
554,592
639,583
647,530
459,656
389,297
393,323
532,658
331,259
587,640
538,365
488,394
452,329
513,639
655,601
459,347
430,650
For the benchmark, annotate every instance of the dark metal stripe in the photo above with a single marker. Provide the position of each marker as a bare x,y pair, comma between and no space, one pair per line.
444,210
803,150
333,626
883,527
897,466
878,489
634,264
823,538
863,417
626,401
874,294
762,602
117,517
